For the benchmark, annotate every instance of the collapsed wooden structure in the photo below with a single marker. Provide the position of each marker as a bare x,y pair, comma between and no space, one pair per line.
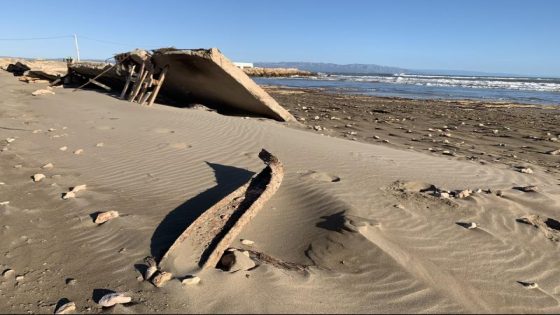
186,76
204,242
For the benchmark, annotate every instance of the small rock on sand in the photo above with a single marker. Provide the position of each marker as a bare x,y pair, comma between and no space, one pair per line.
236,260
161,278
530,188
106,216
100,144
8,273
554,152
19,278
10,140
42,92
47,166
4,203
111,299
79,151
38,177
191,280
66,308
78,188
247,242
69,195
464,193
526,170
63,148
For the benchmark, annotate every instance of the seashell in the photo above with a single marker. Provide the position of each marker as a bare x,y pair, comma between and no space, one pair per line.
66,308
111,299
161,278
106,216
38,177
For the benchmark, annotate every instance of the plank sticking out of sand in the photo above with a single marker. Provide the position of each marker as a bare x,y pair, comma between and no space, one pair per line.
212,233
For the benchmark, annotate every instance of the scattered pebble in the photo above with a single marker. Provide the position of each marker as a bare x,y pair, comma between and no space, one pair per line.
247,242
106,216
111,299
79,151
554,152
100,144
235,260
47,166
63,148
67,308
529,285
38,177
191,280
161,278
526,170
51,129
4,203
42,92
71,281
464,193
8,273
10,140
530,188
69,195
19,278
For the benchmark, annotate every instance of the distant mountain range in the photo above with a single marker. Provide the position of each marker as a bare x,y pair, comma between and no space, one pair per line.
357,68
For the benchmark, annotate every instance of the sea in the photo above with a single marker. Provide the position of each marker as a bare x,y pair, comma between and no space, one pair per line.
523,90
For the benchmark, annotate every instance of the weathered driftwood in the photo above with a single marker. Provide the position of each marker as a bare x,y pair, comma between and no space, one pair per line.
213,232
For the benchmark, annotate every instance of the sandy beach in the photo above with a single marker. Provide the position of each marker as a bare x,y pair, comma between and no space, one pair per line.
376,222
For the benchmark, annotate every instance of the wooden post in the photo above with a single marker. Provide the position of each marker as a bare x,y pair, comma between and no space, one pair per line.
138,83
158,86
145,87
128,80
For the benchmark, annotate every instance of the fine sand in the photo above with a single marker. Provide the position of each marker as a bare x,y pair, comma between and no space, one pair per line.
366,222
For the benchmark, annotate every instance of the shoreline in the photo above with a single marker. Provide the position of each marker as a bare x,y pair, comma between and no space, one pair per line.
488,132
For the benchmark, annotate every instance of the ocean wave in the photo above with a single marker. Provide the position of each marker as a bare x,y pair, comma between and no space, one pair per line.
507,83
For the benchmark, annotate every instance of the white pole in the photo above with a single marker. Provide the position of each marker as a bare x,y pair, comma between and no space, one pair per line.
77,48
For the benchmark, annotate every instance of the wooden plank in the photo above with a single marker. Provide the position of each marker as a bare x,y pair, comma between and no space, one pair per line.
141,76
207,238
158,86
99,84
145,86
128,80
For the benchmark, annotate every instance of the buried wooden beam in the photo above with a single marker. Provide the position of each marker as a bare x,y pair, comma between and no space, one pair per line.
203,243
158,85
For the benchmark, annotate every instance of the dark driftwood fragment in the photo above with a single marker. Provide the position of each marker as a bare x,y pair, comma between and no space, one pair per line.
263,258
213,232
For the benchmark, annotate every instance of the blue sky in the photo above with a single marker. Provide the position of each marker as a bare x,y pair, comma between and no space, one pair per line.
520,37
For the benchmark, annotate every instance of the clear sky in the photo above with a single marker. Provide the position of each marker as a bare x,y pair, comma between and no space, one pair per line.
511,36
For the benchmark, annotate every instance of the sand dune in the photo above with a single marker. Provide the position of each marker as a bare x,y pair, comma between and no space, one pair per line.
371,245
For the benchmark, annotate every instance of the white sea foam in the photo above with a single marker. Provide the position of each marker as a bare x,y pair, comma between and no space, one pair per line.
508,83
